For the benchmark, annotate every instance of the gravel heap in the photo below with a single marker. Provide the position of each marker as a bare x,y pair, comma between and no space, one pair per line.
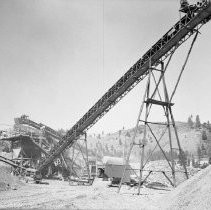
7,180
194,193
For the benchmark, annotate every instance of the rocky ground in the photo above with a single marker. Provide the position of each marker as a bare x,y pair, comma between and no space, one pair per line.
194,193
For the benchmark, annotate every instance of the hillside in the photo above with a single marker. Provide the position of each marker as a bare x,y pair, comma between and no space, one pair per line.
113,144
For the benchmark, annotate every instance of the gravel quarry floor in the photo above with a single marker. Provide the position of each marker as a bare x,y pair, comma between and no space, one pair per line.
60,195
194,193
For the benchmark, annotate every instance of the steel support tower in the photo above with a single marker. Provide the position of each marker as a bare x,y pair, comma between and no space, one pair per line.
157,94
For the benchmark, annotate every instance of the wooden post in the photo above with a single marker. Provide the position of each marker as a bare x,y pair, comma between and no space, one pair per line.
143,142
142,145
87,157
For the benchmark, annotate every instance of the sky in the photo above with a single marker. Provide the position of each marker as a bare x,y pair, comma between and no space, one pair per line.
58,57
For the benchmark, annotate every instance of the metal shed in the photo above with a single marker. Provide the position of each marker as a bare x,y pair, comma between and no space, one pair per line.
114,168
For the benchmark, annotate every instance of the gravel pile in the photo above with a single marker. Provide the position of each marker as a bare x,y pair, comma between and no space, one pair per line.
194,194
7,180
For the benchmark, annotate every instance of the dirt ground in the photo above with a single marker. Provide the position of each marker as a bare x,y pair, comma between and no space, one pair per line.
60,195
194,193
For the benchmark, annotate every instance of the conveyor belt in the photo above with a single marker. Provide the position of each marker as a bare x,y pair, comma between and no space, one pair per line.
177,35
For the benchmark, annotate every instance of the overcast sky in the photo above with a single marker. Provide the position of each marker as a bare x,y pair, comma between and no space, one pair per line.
58,57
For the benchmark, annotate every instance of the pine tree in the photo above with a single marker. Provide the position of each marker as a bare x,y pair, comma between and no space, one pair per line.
190,121
193,161
199,153
120,141
127,134
204,135
208,126
198,123
203,150
209,149
183,157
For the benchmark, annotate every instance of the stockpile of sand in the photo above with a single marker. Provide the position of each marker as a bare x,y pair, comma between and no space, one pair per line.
195,193
7,180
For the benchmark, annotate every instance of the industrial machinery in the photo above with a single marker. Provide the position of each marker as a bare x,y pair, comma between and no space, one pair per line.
70,162
188,25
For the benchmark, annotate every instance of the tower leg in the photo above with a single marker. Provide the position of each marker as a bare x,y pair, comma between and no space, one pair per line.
143,142
126,163
171,148
167,112
178,142
142,145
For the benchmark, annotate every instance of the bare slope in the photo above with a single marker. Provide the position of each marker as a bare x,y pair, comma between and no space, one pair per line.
113,144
